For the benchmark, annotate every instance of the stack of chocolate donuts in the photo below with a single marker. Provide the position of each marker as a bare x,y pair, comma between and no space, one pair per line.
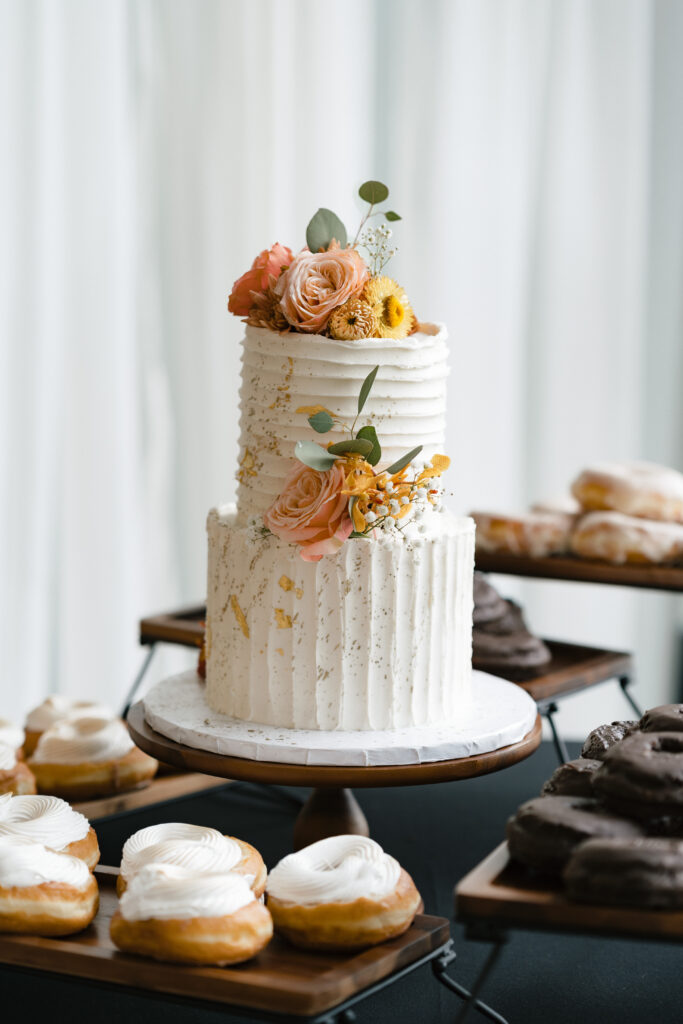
610,823
501,641
627,512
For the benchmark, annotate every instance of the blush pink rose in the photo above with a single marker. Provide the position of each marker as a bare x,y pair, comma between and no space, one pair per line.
312,512
267,265
316,283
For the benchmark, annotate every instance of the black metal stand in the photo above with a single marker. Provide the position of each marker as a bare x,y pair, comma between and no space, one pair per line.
471,999
149,654
625,683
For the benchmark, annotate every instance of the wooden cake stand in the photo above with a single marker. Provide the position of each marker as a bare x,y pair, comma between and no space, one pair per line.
331,809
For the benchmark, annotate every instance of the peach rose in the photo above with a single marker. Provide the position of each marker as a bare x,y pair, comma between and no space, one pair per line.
316,283
266,265
312,511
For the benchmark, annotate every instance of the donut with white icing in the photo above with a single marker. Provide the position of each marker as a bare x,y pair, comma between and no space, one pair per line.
12,735
55,709
640,489
52,823
15,774
343,892
618,538
534,534
176,914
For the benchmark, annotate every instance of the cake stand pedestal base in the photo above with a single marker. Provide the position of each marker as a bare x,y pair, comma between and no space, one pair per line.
329,812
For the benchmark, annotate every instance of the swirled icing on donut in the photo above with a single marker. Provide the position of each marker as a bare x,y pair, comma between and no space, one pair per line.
42,819
335,870
83,739
167,891
58,707
189,846
8,758
24,863
10,734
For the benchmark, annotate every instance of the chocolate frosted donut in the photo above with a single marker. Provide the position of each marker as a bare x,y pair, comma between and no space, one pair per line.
513,655
642,776
605,736
511,621
665,718
488,604
627,872
544,831
575,778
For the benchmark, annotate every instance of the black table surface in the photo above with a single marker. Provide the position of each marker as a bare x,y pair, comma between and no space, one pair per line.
438,833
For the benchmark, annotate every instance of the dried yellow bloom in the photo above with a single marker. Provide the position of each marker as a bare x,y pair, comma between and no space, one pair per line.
391,307
352,321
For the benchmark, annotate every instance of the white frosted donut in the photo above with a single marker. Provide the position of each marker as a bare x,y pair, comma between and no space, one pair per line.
535,534
52,823
640,489
15,775
11,735
613,537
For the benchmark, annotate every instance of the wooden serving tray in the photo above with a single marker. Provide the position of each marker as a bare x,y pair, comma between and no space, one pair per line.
281,979
166,787
582,570
501,894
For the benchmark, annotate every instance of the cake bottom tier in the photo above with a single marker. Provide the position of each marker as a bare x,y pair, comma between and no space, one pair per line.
378,636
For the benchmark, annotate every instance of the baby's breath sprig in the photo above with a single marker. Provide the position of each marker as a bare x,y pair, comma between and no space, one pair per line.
373,192
375,241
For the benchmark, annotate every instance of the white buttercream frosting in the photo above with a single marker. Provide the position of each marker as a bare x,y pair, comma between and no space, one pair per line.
189,846
58,707
8,757
42,819
83,739
339,869
24,863
11,735
170,892
282,373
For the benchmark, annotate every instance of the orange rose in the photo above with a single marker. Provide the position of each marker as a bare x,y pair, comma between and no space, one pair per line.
267,264
312,511
315,283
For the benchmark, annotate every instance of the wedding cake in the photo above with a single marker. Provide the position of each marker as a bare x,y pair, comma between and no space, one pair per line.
339,587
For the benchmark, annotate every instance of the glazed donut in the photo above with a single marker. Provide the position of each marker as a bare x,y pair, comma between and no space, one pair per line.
565,504
15,776
642,776
665,718
193,847
634,488
43,892
13,736
343,892
601,739
614,537
575,778
630,873
172,913
49,821
55,709
83,757
545,831
536,534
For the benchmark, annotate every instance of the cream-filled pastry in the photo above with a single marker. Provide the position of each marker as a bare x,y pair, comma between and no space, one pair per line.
86,756
49,821
43,892
12,736
173,913
342,892
194,847
15,774
55,709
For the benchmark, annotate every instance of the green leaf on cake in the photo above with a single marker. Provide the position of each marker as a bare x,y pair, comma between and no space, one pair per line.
370,434
322,228
311,454
373,192
404,461
390,215
366,388
321,421
356,445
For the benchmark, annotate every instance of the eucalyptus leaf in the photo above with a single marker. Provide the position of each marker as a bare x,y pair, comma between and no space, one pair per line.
354,535
404,461
366,388
373,192
357,445
322,228
313,455
370,434
321,421
390,215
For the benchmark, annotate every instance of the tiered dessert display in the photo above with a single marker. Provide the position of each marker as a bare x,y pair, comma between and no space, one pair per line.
339,605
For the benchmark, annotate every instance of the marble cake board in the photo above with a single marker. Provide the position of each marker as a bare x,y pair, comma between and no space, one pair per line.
500,715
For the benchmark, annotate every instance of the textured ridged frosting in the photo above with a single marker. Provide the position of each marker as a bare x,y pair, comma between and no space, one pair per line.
42,819
188,846
378,636
335,870
284,372
169,892
56,708
11,735
82,740
24,863
8,758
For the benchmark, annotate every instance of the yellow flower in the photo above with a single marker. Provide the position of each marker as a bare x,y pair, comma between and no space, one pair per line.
353,321
390,305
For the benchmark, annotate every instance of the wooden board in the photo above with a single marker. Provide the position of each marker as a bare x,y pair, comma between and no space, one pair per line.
281,979
566,567
326,775
184,626
499,893
166,787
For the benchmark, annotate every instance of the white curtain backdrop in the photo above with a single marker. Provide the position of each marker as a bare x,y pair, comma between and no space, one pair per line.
150,148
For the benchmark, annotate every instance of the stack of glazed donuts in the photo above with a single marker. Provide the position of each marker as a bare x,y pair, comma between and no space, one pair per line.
610,823
628,512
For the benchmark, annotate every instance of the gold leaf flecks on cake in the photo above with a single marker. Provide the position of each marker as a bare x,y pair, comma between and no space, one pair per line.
283,620
283,389
278,650
247,466
239,615
287,584
311,410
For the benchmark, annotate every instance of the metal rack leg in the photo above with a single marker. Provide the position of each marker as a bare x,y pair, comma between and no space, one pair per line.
471,999
548,712
624,683
138,679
